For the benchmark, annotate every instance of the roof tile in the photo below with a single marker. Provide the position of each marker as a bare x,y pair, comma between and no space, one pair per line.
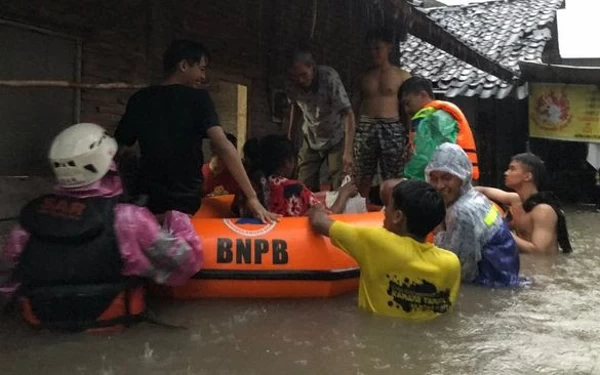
505,31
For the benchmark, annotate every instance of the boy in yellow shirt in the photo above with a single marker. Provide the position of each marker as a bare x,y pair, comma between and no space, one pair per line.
400,273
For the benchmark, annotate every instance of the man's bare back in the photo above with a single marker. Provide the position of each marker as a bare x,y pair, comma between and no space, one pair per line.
379,91
542,216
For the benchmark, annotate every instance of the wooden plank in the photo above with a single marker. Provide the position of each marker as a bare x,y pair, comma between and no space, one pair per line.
73,85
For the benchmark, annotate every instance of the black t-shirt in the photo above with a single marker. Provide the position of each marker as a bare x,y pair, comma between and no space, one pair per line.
169,122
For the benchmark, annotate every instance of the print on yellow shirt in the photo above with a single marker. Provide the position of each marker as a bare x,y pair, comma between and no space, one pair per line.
399,276
411,296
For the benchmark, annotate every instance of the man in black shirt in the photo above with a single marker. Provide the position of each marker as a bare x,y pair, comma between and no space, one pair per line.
169,121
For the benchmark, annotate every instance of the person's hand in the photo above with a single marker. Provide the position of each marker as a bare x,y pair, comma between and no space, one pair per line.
315,211
440,228
317,216
348,161
260,212
319,220
349,190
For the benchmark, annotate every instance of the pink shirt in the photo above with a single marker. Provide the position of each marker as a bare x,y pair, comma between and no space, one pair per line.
168,255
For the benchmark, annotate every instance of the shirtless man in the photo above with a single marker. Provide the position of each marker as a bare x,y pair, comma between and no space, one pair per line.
539,223
380,136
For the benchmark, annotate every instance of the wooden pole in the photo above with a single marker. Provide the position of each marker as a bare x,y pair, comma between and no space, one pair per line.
74,85
314,18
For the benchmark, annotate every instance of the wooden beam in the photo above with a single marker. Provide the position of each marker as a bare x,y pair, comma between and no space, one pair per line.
554,73
77,85
74,85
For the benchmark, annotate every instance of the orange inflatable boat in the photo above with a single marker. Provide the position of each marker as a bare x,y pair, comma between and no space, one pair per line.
284,259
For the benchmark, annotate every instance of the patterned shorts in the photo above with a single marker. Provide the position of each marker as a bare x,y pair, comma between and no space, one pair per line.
380,141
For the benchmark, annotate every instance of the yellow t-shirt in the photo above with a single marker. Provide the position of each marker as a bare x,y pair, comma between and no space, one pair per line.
398,275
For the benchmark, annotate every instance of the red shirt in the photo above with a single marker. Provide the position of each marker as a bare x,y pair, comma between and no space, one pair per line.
218,184
289,197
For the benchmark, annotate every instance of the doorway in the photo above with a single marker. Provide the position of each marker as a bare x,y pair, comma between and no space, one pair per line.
231,103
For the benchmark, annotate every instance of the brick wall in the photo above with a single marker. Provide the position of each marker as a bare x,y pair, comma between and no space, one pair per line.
123,40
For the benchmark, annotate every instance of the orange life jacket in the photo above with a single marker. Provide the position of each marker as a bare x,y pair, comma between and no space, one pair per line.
94,308
71,268
465,137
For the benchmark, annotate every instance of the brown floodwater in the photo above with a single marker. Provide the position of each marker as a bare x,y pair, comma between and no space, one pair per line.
549,327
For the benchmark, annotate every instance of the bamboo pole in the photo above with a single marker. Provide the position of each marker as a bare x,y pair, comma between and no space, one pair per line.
74,85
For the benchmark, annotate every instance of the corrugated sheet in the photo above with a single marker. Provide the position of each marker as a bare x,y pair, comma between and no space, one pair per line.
505,31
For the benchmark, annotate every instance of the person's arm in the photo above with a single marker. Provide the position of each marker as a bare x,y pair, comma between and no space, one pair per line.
434,130
544,231
9,258
344,194
228,154
357,101
126,132
404,117
459,237
239,206
320,221
347,237
498,195
357,97
350,130
289,92
292,126
207,126
341,103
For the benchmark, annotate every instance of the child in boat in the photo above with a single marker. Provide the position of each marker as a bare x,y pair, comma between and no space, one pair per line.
400,273
473,228
280,194
251,152
76,250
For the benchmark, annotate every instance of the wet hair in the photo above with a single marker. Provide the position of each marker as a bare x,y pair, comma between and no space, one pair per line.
380,34
251,151
415,85
535,165
180,50
302,54
421,204
275,150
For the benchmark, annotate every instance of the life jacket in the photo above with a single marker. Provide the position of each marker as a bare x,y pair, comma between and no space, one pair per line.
464,137
70,269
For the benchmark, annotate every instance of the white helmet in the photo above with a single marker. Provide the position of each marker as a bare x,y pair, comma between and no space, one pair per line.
81,155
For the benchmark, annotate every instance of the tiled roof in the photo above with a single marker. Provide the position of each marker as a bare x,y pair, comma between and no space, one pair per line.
505,31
